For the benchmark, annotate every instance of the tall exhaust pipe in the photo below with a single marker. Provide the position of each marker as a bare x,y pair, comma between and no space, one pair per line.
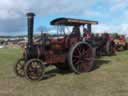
30,21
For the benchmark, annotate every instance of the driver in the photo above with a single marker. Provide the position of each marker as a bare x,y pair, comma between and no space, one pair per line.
76,31
86,34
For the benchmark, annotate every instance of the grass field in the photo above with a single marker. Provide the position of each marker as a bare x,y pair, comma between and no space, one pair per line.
109,78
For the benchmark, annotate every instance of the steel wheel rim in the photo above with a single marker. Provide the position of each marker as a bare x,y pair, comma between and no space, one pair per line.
20,67
34,70
82,58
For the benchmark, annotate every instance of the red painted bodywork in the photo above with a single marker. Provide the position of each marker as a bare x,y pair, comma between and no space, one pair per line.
57,49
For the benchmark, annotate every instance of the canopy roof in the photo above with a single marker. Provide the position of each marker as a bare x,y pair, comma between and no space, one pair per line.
71,22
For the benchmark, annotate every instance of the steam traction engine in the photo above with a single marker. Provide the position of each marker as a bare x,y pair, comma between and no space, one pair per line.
103,45
65,51
120,42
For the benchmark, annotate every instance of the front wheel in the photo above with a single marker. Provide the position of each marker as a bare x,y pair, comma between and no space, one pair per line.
34,69
19,67
81,57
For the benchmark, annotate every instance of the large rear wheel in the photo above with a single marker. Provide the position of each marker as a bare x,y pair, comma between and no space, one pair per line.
81,57
110,48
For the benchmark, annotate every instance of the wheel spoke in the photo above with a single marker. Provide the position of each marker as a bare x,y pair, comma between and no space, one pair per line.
74,60
20,65
76,57
78,50
78,62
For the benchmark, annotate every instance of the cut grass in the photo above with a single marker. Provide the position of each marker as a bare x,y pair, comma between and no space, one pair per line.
109,78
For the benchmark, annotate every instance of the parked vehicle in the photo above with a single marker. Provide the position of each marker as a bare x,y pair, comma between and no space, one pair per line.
120,42
103,44
66,51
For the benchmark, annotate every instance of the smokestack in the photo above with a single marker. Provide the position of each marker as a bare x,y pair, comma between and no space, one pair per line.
30,17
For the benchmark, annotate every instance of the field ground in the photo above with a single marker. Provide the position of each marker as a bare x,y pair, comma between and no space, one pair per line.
110,78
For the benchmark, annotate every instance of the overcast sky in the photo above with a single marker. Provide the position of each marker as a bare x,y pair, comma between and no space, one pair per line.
111,14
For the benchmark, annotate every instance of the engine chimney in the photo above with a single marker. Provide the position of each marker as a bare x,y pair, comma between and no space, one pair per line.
30,17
